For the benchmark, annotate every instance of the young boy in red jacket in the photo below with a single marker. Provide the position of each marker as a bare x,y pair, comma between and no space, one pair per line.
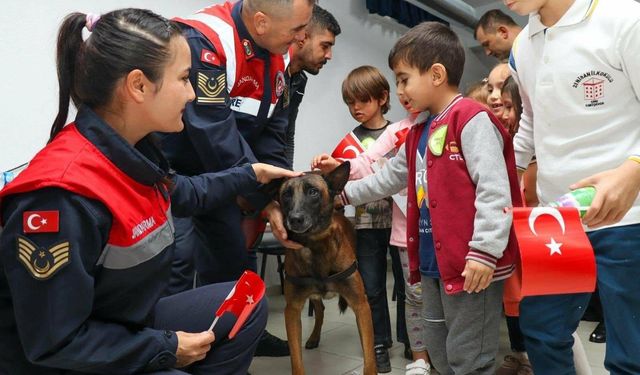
460,172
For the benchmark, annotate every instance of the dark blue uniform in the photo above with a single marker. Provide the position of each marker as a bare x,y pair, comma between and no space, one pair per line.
100,311
244,122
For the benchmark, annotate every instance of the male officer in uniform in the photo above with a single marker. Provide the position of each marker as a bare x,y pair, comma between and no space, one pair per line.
309,56
239,56
496,32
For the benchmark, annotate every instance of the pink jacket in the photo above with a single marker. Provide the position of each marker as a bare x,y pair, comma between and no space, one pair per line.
361,167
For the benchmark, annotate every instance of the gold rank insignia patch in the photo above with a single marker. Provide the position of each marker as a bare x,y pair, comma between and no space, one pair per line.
212,87
42,263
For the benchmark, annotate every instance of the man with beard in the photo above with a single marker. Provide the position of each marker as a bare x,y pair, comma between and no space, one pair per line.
496,32
309,56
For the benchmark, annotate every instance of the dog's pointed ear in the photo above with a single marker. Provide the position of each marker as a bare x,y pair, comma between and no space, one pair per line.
273,188
337,178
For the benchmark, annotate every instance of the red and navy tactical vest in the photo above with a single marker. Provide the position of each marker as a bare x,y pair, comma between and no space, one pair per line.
141,227
245,75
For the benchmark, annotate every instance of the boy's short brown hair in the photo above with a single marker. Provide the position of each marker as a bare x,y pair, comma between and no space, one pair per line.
429,43
366,83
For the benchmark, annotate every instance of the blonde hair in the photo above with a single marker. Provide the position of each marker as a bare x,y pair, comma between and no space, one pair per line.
478,91
366,83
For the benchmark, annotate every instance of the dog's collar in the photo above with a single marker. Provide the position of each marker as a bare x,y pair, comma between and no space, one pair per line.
318,281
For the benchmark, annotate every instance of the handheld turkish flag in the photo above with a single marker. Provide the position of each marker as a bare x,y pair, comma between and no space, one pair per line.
557,257
348,148
241,301
401,135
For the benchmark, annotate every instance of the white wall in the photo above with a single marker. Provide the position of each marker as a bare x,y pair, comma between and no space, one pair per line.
28,84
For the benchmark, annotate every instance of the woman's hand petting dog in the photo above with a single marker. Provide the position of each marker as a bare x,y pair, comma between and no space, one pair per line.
276,220
267,172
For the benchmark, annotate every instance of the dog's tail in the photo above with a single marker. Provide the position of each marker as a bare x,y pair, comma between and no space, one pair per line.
342,305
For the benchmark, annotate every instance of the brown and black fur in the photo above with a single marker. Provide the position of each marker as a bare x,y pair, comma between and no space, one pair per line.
329,248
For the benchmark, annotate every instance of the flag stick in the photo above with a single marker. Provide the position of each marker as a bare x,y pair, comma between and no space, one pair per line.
214,323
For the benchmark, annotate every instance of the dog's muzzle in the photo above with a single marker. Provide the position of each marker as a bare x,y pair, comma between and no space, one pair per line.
298,222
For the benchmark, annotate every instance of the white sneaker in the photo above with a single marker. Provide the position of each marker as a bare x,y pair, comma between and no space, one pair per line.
419,367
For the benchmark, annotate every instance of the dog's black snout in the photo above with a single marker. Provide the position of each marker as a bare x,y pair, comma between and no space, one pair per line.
298,222
296,219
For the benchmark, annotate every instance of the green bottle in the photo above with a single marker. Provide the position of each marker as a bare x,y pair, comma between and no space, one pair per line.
579,198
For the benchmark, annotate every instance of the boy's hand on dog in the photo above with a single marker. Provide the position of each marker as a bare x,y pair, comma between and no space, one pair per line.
267,172
192,347
325,163
276,221
477,276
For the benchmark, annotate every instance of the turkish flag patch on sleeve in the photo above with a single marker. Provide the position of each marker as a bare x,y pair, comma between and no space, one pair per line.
209,57
41,221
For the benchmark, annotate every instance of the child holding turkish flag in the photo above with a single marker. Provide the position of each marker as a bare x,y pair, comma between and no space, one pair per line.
577,67
518,362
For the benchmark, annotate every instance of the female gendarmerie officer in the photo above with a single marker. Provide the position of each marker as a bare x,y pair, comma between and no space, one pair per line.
87,237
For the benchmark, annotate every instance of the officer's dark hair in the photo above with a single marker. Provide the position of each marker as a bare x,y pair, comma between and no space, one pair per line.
491,20
430,43
120,41
321,19
267,6
366,83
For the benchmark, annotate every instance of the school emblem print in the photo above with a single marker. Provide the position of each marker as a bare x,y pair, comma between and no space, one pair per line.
212,87
42,263
593,84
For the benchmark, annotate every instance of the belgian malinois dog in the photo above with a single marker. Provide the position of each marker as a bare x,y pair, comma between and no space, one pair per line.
326,266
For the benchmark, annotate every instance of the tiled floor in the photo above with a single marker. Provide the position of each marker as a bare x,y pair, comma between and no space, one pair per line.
339,352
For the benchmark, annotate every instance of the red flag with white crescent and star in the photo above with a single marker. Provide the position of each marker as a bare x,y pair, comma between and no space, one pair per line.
209,57
242,300
348,148
40,221
556,255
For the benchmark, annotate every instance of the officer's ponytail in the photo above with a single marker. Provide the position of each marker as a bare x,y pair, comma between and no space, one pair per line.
69,42
119,42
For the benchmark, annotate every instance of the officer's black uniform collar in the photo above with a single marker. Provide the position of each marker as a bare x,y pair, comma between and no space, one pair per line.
243,33
135,162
